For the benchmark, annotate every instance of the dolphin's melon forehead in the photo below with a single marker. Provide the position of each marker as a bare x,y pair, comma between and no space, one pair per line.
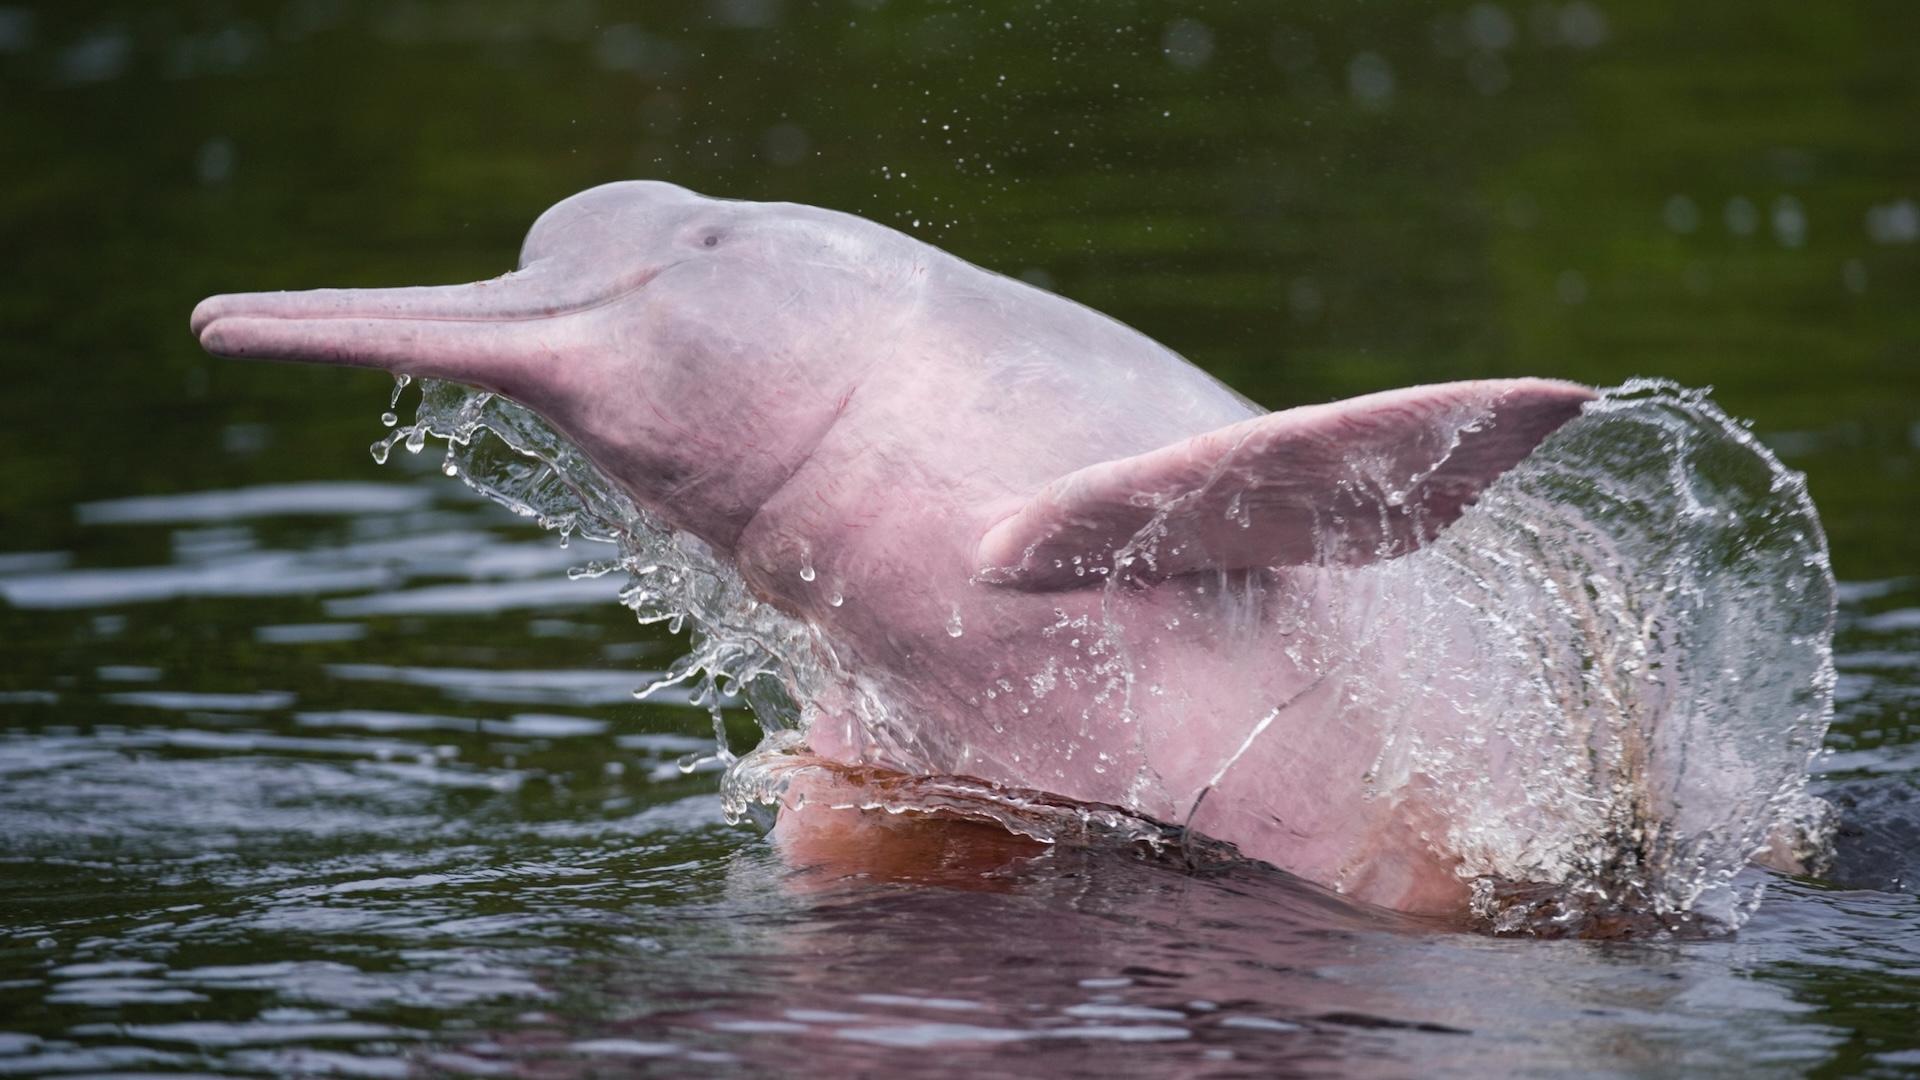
629,215
618,212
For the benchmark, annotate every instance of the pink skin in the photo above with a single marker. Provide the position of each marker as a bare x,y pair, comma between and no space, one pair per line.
803,389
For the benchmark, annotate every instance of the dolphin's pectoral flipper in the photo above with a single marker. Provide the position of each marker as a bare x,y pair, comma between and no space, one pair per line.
1346,483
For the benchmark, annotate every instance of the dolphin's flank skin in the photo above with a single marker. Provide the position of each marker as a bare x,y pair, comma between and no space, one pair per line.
968,465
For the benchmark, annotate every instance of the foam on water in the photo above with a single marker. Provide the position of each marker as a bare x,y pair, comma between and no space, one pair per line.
1606,679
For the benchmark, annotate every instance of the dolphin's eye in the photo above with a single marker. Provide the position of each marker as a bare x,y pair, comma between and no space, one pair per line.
711,240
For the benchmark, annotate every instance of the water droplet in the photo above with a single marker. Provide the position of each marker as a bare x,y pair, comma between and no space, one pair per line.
836,600
400,382
389,419
450,466
416,439
806,571
1237,512
954,629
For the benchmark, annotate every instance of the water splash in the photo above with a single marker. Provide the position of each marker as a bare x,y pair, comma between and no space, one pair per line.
1654,608
1630,632
1601,688
742,649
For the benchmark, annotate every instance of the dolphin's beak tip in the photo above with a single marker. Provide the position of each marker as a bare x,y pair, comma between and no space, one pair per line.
205,314
215,322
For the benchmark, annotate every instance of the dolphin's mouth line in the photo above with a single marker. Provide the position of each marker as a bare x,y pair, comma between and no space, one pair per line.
476,295
613,297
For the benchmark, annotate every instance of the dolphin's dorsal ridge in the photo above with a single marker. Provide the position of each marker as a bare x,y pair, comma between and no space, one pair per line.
1348,483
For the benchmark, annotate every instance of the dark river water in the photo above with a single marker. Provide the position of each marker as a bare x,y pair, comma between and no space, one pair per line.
310,766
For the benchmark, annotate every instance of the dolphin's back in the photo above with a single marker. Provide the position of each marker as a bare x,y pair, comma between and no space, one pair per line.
1067,385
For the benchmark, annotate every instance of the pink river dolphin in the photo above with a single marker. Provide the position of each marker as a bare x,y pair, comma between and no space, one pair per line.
1069,560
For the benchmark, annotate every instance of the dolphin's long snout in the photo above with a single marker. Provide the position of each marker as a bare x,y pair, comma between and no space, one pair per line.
457,332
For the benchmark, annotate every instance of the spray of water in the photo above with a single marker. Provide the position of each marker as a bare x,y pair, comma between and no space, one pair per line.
1628,638
742,649
1634,631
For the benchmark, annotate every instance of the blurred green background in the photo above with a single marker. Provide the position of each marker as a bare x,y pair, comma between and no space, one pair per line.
1312,199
